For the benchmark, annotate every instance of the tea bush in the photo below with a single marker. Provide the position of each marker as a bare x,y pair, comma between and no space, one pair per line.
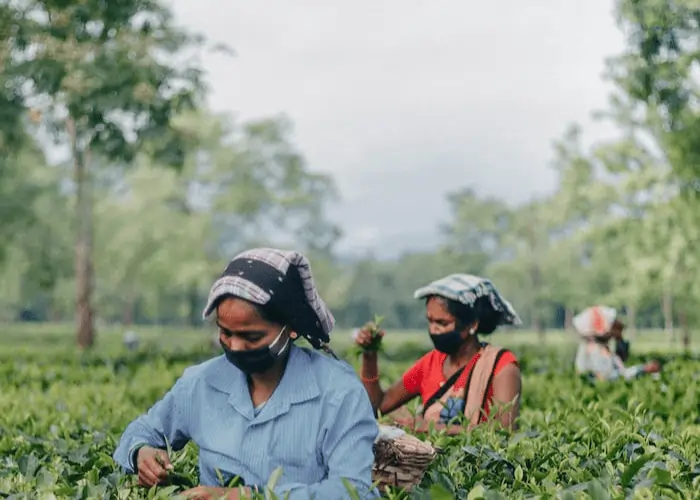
61,415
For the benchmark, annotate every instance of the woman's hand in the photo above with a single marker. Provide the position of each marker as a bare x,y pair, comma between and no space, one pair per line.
212,493
408,422
369,337
652,367
153,466
364,337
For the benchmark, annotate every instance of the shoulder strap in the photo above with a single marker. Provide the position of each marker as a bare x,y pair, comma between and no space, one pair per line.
443,389
480,379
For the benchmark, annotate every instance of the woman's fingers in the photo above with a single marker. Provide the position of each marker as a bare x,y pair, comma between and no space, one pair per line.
153,465
147,478
152,471
365,337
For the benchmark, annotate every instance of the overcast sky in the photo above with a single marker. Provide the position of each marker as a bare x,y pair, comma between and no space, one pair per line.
403,101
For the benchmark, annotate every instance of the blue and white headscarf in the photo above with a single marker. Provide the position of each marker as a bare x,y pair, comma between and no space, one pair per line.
466,289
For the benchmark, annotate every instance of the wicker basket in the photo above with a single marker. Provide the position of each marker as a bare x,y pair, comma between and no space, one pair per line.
400,460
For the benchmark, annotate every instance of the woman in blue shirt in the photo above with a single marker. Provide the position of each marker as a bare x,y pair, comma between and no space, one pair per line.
265,403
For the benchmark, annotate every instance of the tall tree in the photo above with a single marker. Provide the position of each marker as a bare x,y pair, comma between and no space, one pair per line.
164,233
477,224
35,241
147,241
106,78
657,83
19,186
658,72
262,191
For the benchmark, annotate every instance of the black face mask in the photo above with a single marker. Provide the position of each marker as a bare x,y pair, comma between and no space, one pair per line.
256,360
448,342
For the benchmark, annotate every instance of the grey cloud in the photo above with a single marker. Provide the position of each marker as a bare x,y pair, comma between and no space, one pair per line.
404,100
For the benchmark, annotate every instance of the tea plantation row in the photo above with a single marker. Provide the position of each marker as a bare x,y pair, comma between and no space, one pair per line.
61,415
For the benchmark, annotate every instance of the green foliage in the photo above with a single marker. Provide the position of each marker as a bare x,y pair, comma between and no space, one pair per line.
620,228
62,415
19,188
112,69
656,76
161,236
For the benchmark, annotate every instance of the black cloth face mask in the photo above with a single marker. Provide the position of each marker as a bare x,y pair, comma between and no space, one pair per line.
257,360
448,342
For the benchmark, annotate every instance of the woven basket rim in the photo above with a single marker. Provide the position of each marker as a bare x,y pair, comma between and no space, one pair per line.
386,470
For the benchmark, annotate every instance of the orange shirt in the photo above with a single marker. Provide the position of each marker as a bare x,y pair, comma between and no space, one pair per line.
425,377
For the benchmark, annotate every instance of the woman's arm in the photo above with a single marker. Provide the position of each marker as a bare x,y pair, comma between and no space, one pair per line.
384,401
164,423
507,387
631,372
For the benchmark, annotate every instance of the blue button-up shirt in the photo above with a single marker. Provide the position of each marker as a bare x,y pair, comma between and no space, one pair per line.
318,425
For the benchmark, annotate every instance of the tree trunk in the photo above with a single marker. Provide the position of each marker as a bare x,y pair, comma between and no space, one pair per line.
537,319
683,319
538,325
54,314
667,307
632,316
536,322
129,309
83,244
568,319
192,302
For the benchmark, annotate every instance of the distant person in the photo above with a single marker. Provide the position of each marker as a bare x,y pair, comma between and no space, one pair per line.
462,375
131,340
597,326
265,403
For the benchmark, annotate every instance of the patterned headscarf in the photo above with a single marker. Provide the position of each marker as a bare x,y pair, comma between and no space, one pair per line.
467,288
595,321
283,280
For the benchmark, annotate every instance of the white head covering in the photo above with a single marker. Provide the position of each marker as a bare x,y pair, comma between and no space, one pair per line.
595,321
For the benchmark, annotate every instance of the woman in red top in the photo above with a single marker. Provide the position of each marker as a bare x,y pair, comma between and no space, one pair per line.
461,375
